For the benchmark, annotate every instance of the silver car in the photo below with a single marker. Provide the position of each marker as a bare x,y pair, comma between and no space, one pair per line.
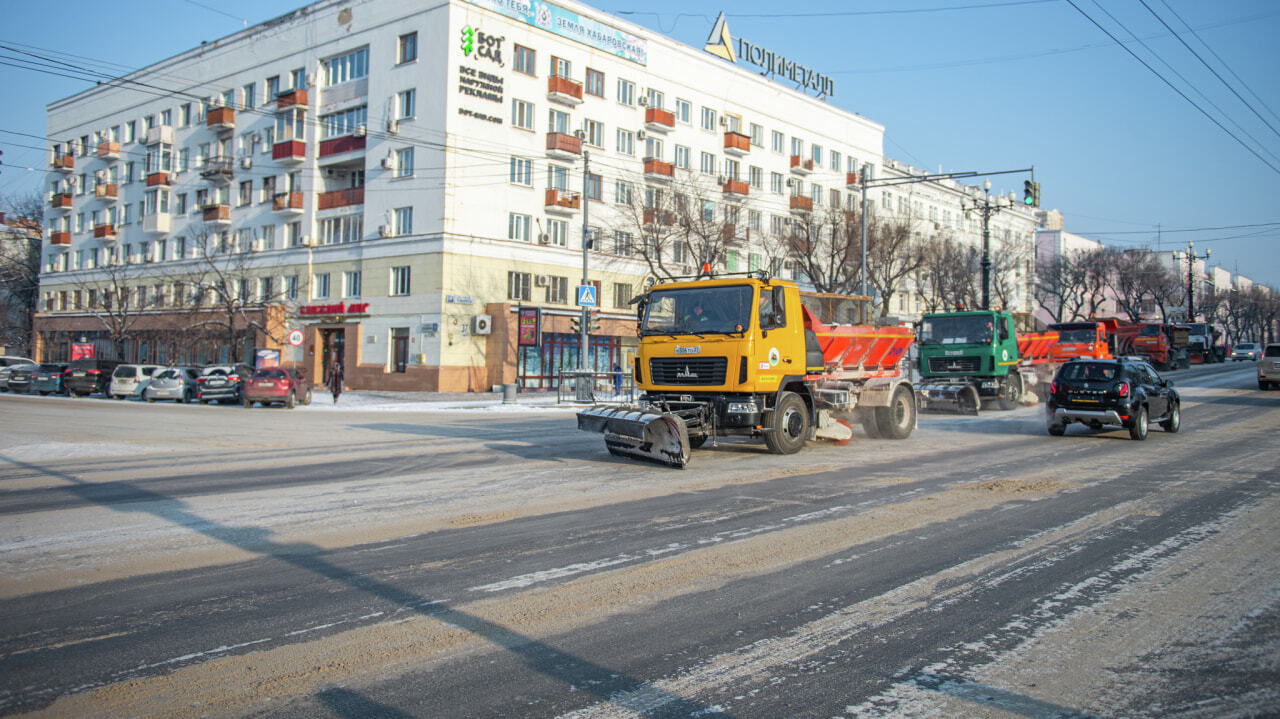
1246,351
128,380
175,383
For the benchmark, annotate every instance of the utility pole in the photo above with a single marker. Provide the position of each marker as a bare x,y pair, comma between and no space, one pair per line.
989,205
584,317
862,182
1191,266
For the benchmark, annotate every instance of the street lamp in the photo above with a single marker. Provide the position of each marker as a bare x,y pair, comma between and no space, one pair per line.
987,206
1191,264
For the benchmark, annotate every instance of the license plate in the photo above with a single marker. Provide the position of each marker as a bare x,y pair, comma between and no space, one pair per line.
1084,399
267,384
216,382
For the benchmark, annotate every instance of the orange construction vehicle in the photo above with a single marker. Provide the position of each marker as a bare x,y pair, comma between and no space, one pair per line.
1086,338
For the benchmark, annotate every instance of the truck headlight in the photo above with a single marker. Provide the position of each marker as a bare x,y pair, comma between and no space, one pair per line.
742,407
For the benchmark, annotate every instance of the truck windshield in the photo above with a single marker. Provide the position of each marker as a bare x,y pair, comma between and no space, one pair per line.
698,310
1074,336
970,329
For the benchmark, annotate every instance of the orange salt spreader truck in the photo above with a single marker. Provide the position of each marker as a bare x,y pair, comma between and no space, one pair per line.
751,356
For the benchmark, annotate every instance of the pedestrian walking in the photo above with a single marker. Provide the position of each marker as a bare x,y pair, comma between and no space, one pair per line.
334,380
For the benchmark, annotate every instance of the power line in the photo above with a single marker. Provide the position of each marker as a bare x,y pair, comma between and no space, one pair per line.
1183,229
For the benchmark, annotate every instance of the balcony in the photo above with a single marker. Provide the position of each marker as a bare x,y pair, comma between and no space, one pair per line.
732,236
339,145
564,91
60,238
658,120
218,170
291,98
852,181
800,166
158,179
220,118
659,171
736,189
341,198
108,191
563,147
216,214
106,233
563,202
801,204
289,151
289,203
108,151
654,216
160,135
64,163
736,143
158,223
60,201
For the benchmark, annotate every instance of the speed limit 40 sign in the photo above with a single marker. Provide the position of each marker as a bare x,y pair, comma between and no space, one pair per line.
295,338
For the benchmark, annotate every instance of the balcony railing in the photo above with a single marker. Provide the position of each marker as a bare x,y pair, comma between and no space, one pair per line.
563,147
800,203
736,188
338,145
104,232
659,170
109,150
156,179
291,98
852,180
218,169
658,120
59,238
287,202
289,151
562,201
106,191
216,214
564,90
654,216
64,163
341,198
801,166
220,118
736,143
60,201
159,223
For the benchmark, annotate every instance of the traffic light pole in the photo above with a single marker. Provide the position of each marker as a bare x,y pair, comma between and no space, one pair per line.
988,206
1191,266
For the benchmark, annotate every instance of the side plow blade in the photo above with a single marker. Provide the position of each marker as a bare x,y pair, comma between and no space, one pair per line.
961,398
631,432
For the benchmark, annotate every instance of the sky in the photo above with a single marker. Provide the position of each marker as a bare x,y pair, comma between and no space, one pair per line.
1071,87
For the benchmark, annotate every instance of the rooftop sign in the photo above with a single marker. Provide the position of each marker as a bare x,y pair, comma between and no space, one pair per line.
720,44
573,26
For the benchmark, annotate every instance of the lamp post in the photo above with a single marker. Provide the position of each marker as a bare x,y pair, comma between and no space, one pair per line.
583,385
987,206
1191,266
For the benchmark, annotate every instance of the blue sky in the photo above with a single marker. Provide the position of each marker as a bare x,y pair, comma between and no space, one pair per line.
958,84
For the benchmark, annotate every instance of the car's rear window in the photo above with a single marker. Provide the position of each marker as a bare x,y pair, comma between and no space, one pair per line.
1273,351
215,371
1090,371
50,367
166,374
270,374
125,372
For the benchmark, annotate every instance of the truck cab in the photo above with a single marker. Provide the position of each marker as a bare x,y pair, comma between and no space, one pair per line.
975,349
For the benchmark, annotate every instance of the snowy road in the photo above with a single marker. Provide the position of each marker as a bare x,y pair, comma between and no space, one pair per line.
399,560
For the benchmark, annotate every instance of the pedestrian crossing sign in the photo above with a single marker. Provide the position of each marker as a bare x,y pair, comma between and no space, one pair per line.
586,295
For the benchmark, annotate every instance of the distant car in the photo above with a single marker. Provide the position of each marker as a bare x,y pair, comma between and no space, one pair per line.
10,360
1268,367
128,380
1245,351
4,374
48,378
222,382
86,376
175,383
277,384
20,377
1120,392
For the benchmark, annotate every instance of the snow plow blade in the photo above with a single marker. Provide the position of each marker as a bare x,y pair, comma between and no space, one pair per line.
660,437
959,398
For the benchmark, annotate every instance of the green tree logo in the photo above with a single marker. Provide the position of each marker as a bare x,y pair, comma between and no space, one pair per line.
468,40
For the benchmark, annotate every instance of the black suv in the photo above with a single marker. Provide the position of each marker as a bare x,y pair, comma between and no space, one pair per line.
220,382
1125,392
86,376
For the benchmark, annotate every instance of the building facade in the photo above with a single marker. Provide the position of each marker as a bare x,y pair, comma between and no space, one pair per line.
397,183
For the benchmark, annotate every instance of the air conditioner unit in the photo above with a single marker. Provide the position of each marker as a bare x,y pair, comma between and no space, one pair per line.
388,163
644,101
215,101
384,230
246,162
308,241
541,280
724,121
393,126
544,239
640,135
258,246
482,324
791,182
311,79
360,131
721,180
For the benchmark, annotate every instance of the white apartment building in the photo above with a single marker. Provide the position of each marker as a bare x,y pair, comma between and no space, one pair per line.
397,182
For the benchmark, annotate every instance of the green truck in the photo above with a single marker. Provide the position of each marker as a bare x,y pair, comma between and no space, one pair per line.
968,358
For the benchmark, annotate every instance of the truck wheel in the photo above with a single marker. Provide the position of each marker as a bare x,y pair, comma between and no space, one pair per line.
870,426
968,401
788,426
1010,392
1138,428
898,419
1174,421
696,442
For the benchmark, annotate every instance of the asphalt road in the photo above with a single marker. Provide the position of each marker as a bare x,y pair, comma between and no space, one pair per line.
176,561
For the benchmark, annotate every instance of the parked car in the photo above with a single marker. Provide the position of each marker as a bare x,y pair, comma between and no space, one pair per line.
20,377
277,384
222,382
175,383
10,360
128,380
1245,351
48,378
1124,392
1268,367
86,376
4,374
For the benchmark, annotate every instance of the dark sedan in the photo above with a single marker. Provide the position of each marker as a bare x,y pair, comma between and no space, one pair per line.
49,378
20,378
1122,392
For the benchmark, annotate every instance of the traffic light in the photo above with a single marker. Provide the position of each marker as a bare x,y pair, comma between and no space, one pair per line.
1031,193
593,321
575,324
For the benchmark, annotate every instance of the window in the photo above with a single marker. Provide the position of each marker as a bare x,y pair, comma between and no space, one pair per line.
320,286
404,221
524,59
184,115
340,124
400,280
273,87
622,242
817,155
594,132
621,294
266,289
684,111
245,197
519,286
298,78
595,187
404,162
835,160
518,227
731,168
652,148
407,50
407,103
682,157
708,119
797,146
557,231
268,235
249,96
622,190
557,177
626,92
559,67
594,83
341,230
708,163
351,284
757,135
345,68
291,287
558,121
656,99
626,142
558,290
756,177
521,114
521,171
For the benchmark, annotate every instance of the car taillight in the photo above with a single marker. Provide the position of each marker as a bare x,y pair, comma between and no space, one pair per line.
233,378
1053,387
200,380
1123,389
95,371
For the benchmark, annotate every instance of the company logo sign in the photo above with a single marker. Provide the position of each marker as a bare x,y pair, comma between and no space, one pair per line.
477,44
721,44
569,24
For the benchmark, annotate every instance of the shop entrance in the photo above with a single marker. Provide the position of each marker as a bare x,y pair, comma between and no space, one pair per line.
333,345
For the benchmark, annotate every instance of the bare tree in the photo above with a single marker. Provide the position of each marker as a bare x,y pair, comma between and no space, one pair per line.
1008,278
114,294
230,291
893,254
20,246
947,277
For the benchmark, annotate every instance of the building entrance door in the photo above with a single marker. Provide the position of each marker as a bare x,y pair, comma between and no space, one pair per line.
400,349
333,345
